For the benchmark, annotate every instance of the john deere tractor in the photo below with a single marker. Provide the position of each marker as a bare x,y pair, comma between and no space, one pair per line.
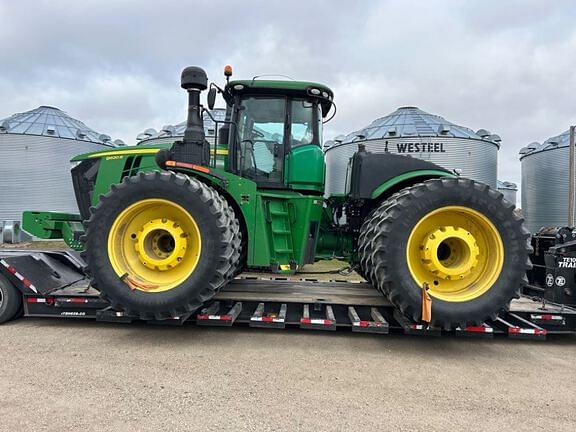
165,227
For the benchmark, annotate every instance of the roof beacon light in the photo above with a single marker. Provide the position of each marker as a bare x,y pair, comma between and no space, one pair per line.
227,72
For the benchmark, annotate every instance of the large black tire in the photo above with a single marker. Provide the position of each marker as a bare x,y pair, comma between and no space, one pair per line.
238,259
10,300
384,241
364,245
217,263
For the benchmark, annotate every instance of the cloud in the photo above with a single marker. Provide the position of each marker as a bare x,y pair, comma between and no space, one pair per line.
504,66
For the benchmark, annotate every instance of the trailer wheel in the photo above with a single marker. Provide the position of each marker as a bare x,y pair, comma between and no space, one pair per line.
159,245
457,236
10,300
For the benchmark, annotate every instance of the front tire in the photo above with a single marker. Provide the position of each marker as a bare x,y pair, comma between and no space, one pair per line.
159,245
459,237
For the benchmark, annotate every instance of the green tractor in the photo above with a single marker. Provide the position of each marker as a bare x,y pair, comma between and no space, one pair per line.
164,228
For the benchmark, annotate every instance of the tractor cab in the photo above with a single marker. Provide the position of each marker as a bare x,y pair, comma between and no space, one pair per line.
273,134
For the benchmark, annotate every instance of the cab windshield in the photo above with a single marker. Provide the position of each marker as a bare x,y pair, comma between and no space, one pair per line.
267,128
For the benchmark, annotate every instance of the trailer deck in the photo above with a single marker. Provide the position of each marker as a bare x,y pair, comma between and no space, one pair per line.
53,284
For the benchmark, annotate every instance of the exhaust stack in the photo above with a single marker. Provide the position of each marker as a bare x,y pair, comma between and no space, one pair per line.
194,148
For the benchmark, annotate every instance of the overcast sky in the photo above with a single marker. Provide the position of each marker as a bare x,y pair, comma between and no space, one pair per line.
506,66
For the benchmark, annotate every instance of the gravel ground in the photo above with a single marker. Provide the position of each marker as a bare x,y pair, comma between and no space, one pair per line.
77,375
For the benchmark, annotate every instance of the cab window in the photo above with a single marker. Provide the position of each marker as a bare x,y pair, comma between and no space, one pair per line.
261,126
302,130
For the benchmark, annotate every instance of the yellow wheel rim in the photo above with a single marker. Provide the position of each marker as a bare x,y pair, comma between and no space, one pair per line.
155,241
457,251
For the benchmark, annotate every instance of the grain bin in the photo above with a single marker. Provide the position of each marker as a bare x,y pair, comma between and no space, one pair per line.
169,133
412,132
509,190
545,176
35,151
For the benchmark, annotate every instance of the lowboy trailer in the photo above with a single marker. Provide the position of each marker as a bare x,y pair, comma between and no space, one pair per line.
54,284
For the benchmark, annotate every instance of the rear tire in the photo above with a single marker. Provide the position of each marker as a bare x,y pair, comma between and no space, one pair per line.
10,301
487,272
138,229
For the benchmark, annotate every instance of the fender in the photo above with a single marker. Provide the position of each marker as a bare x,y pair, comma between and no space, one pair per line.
376,174
410,177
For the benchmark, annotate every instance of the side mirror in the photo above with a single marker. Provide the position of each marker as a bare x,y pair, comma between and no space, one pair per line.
211,98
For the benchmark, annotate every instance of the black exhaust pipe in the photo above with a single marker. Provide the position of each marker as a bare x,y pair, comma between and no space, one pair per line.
193,148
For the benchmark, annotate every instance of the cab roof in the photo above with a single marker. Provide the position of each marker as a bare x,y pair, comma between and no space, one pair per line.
280,85
299,88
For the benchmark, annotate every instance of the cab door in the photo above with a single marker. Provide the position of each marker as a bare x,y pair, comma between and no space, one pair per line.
262,140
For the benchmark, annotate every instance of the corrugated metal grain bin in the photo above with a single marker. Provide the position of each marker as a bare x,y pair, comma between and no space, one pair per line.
35,152
545,182
509,190
168,134
412,132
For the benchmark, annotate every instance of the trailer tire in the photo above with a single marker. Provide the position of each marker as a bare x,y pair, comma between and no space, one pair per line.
10,300
456,235
162,214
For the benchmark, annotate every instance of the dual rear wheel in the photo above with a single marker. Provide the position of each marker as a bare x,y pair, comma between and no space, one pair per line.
457,237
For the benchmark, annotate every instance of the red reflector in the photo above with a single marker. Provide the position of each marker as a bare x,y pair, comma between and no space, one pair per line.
305,320
541,332
546,317
476,329
11,269
26,282
202,316
77,300
226,318
32,300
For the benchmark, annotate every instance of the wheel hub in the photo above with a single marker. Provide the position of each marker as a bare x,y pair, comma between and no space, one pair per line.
457,251
450,252
161,244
